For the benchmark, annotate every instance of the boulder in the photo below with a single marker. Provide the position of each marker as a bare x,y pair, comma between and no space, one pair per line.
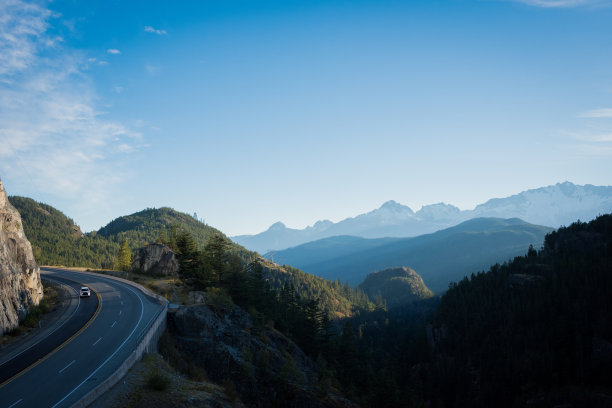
20,285
156,259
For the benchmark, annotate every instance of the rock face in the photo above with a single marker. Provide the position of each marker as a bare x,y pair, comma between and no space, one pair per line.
20,285
156,259
265,367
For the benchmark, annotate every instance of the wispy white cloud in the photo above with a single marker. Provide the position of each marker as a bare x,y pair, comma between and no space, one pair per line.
150,29
591,142
125,148
590,150
19,24
113,51
593,137
152,69
95,61
52,136
598,113
563,3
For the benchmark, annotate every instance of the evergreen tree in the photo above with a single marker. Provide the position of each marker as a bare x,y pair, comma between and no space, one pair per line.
215,255
190,265
124,259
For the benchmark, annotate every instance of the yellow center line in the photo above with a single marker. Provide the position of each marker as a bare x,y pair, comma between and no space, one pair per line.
40,360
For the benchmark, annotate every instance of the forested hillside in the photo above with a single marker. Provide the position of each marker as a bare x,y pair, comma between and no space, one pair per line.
161,224
57,240
395,287
341,300
439,258
539,326
534,332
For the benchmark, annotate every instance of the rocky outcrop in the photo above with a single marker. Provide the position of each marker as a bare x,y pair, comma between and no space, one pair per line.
156,259
20,285
261,364
397,286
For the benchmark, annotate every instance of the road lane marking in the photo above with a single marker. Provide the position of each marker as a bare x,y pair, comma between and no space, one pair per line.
96,342
114,323
121,311
54,330
122,303
15,403
61,346
118,348
63,369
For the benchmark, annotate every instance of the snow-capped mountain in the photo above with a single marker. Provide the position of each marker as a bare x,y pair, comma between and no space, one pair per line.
553,206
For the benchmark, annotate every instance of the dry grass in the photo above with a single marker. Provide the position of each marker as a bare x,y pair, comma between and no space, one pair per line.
136,389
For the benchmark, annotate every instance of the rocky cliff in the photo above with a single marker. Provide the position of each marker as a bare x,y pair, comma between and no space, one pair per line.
156,259
20,285
264,367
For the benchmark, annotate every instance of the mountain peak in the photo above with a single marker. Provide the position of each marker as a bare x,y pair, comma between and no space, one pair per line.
393,205
277,226
322,225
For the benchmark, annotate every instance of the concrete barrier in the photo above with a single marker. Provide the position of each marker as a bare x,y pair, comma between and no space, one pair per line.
147,343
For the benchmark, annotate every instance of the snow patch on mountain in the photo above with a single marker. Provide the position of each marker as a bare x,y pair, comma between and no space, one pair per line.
553,206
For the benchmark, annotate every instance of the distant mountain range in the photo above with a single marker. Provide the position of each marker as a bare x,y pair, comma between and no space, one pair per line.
444,256
554,206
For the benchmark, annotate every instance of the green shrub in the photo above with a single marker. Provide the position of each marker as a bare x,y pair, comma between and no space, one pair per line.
157,380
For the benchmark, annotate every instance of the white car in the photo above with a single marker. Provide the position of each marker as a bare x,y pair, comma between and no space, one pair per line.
85,291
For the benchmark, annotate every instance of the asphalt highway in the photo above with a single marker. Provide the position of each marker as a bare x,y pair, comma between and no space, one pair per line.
85,350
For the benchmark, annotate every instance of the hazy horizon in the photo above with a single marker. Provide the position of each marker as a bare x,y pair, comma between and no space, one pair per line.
249,114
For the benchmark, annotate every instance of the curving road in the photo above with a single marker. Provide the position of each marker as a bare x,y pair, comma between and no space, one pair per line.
85,350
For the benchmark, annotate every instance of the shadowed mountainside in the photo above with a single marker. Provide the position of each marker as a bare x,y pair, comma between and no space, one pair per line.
440,258
396,286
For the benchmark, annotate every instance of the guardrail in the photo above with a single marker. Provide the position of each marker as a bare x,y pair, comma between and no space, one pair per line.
147,342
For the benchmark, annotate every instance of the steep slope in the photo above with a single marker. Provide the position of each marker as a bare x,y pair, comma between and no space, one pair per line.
536,329
338,299
553,206
397,286
20,285
445,256
146,226
57,240
264,366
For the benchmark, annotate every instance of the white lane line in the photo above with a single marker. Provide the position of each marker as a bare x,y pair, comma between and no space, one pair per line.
114,323
116,351
15,403
120,312
96,342
62,370
122,303
57,328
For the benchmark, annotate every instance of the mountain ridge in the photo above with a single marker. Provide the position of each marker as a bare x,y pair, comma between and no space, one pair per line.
440,257
553,206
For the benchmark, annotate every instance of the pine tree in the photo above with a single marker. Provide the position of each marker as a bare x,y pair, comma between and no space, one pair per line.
190,267
215,253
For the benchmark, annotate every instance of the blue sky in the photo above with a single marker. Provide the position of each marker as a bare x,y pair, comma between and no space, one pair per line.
252,112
